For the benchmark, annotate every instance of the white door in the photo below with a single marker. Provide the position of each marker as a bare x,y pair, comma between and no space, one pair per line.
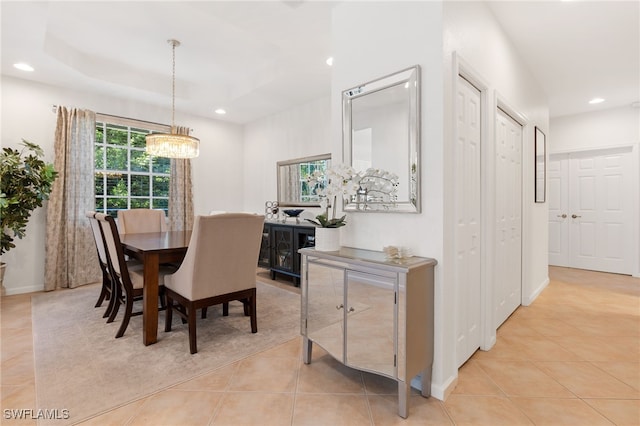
558,176
508,250
601,237
467,220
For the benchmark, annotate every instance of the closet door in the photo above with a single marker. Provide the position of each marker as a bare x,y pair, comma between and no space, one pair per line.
600,203
559,220
508,250
467,210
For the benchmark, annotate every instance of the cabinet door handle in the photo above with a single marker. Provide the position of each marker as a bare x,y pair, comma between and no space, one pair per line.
563,215
351,309
340,306
575,216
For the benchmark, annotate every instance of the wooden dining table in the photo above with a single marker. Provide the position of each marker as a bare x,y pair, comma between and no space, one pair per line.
153,249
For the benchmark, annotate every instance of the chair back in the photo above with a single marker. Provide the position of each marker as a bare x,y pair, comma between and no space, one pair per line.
141,220
222,256
97,237
115,254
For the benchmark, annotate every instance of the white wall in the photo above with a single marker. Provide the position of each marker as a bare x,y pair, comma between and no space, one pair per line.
471,31
600,129
370,40
27,113
299,132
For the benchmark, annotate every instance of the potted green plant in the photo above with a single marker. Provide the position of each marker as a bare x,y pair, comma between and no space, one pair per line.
26,181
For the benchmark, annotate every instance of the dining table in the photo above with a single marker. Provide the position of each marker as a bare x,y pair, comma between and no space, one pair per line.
154,249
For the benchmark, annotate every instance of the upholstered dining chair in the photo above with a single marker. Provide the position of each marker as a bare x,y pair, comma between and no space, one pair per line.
106,291
141,220
128,278
219,267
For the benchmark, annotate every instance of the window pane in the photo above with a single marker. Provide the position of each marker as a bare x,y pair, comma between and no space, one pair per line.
99,183
99,204
161,203
138,138
140,203
139,161
116,158
99,133
114,204
161,186
99,158
139,185
161,165
117,135
117,185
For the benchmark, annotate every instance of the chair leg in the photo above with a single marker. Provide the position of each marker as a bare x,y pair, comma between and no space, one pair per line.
168,314
191,315
225,309
204,313
245,306
104,293
114,303
254,317
127,315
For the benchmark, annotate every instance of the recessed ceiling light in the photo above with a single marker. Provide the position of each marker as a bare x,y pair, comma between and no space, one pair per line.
23,67
220,111
596,101
329,61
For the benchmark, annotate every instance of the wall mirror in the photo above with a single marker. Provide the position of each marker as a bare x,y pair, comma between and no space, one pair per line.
381,140
293,188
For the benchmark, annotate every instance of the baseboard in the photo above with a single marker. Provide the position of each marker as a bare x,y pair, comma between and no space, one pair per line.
528,300
443,391
21,290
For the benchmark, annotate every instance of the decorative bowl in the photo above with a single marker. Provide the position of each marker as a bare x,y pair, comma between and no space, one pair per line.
293,212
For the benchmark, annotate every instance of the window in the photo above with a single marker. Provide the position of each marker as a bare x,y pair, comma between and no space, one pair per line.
125,176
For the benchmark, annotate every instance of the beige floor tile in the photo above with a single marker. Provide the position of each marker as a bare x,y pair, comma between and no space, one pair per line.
119,416
422,411
326,375
256,373
18,397
18,370
217,380
627,372
523,378
375,384
621,412
552,412
292,348
16,341
472,380
596,348
588,381
484,410
331,409
254,408
173,407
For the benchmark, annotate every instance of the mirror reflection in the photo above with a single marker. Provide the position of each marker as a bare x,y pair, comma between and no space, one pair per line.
294,188
381,138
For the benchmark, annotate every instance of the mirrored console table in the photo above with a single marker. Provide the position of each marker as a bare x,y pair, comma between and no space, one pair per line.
370,313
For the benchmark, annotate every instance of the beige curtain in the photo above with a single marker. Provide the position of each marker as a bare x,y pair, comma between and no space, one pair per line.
71,258
180,191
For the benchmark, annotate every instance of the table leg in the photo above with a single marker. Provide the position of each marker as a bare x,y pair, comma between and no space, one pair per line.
404,395
150,299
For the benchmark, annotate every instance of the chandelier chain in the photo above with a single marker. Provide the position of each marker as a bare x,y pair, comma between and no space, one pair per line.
173,87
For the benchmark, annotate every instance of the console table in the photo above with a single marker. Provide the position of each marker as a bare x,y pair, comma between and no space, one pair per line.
370,313
280,245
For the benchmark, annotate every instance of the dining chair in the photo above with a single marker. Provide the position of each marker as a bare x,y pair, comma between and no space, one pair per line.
141,220
219,267
128,278
106,291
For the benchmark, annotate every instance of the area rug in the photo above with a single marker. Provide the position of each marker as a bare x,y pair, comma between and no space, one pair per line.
82,370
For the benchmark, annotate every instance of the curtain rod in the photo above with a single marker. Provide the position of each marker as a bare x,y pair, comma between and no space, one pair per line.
55,109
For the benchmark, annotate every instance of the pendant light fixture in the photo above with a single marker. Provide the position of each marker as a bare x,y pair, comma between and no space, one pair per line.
172,145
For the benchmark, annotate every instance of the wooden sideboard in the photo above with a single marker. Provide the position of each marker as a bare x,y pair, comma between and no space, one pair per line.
371,313
280,245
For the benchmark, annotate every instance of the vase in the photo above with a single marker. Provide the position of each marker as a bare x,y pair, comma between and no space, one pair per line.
327,239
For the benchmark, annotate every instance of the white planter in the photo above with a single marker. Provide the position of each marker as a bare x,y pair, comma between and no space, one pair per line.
327,239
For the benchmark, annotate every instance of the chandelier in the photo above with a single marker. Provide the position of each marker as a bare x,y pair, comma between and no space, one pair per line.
172,145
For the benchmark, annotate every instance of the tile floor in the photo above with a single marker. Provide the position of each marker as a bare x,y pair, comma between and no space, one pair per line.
572,358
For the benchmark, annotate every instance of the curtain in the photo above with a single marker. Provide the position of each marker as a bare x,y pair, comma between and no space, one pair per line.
70,252
180,191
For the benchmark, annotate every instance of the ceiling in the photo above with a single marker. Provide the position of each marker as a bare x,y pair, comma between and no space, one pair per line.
255,59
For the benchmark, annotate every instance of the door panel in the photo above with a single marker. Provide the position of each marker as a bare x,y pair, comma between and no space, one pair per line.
558,176
467,209
508,265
